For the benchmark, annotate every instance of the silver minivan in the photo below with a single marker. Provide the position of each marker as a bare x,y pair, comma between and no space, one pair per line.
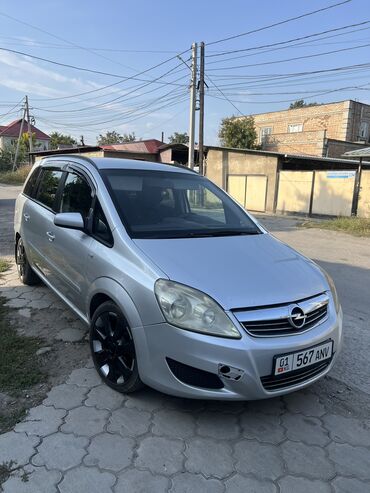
182,289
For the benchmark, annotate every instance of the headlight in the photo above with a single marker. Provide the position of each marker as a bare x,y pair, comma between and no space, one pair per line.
191,309
332,289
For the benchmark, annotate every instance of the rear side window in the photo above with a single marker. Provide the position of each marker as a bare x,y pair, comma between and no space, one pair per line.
76,195
29,188
47,190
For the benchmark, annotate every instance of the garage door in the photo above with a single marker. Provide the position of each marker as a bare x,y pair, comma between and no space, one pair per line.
255,199
294,191
333,192
236,188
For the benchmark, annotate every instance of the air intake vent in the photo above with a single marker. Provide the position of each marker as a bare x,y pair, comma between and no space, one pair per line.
193,376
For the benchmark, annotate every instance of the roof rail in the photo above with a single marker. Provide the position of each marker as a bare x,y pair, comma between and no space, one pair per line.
57,157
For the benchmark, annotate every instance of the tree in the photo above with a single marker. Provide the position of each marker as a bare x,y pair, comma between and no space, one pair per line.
238,132
300,103
179,138
114,137
57,139
25,141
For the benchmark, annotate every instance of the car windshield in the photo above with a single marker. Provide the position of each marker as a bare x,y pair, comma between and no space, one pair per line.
160,204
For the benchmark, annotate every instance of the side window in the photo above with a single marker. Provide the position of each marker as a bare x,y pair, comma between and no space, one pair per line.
100,227
76,195
31,182
48,187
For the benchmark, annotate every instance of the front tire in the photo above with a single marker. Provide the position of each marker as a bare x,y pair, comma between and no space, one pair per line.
25,271
113,349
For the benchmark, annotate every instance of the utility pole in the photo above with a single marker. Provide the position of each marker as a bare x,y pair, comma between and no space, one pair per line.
201,111
193,93
30,143
19,140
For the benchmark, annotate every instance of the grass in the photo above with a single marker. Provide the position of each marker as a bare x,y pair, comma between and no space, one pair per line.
18,362
4,265
17,177
357,226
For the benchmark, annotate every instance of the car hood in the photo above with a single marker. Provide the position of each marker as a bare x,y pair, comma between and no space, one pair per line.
237,271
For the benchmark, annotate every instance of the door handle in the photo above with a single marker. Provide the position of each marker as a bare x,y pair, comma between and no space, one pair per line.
50,235
26,216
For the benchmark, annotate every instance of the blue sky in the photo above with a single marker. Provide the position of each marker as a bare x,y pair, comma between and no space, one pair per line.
87,34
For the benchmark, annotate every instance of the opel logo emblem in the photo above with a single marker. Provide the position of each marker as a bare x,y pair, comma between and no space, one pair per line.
297,317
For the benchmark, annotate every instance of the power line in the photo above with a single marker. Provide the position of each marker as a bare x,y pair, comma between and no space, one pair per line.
223,94
11,110
291,19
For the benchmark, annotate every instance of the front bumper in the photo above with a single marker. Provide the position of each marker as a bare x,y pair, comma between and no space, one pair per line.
253,356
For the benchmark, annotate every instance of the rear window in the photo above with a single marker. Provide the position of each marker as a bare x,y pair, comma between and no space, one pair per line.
48,187
29,188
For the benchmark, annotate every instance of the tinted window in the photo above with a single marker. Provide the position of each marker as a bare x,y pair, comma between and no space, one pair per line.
48,187
100,227
157,204
76,196
31,182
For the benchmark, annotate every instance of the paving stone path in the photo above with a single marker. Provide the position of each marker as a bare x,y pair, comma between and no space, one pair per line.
85,437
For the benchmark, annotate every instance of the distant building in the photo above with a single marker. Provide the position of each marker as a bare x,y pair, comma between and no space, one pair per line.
9,135
325,130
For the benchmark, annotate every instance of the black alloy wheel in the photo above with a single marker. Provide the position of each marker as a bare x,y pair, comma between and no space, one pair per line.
25,272
113,349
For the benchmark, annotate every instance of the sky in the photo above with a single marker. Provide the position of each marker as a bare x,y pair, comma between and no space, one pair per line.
125,40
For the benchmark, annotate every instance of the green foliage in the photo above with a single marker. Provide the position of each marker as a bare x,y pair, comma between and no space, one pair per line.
178,138
25,141
300,103
357,226
16,177
57,139
114,137
238,132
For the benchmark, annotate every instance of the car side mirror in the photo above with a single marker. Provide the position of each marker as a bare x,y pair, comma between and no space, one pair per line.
70,220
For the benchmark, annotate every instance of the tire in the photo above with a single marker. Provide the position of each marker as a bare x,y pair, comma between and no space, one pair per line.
113,349
25,272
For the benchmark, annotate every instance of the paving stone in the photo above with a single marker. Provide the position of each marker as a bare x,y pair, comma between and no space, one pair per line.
60,451
242,484
305,403
35,294
25,312
208,457
290,484
146,400
43,350
70,335
350,485
307,460
349,460
135,481
42,421
263,427
195,483
110,452
228,407
85,377
17,447
65,396
85,421
129,422
16,303
219,426
305,429
260,459
173,423
347,430
103,397
266,406
160,455
39,304
38,480
87,479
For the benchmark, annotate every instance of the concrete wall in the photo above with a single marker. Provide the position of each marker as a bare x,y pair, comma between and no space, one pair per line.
41,145
336,148
333,192
223,163
364,199
294,191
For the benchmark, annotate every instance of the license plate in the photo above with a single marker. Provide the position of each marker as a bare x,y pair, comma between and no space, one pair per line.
285,363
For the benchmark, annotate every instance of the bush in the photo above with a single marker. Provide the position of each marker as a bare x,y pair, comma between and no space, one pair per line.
17,177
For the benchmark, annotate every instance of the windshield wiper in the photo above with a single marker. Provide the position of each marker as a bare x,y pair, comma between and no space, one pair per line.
225,232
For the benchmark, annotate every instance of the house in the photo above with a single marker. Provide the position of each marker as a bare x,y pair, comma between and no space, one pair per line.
9,135
147,150
326,130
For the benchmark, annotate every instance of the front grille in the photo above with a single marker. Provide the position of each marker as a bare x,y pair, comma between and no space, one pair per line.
194,376
275,320
278,382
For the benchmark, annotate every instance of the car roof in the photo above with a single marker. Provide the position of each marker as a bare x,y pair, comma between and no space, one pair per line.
102,163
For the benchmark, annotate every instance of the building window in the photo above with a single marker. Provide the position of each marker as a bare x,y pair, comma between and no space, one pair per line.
295,127
364,131
265,132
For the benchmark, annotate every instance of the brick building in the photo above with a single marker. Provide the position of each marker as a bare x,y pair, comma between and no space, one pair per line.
322,130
